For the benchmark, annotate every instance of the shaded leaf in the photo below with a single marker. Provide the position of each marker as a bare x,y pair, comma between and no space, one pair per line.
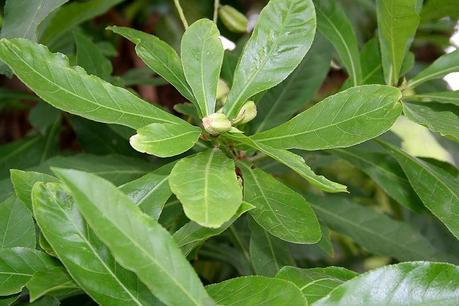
90,57
23,182
16,224
50,282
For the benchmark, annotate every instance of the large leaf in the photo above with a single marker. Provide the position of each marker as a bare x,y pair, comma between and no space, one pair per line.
316,283
336,26
256,290
207,186
159,56
51,282
16,225
397,24
444,97
278,209
71,89
411,283
14,273
23,182
342,120
202,59
283,35
136,241
437,188
86,259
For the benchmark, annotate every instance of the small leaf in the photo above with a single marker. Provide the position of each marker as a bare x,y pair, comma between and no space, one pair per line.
23,182
52,282
90,57
444,97
370,58
17,228
207,186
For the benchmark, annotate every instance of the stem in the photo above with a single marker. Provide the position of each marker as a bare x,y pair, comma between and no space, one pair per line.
216,6
181,14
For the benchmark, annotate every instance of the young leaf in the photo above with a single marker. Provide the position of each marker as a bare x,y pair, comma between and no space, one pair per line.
316,283
165,139
23,182
136,241
16,225
86,259
90,57
342,120
282,37
71,89
202,59
256,290
444,97
54,281
337,28
279,210
159,56
411,283
438,190
207,186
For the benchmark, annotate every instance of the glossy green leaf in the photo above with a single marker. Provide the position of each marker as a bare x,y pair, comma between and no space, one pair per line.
159,56
202,59
437,188
86,259
282,37
51,282
411,283
90,57
337,28
279,210
342,120
23,182
443,97
256,290
17,228
207,186
165,139
71,89
316,283
293,161
14,274
136,241
438,69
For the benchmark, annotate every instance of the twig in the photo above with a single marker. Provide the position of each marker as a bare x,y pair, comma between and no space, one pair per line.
181,14
216,6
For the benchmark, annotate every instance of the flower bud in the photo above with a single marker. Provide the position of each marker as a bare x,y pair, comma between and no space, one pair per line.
222,89
246,114
234,20
216,123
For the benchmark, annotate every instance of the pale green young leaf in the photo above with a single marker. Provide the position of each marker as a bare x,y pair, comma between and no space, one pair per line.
279,210
51,282
342,120
17,228
202,59
90,57
337,28
443,97
23,182
411,283
136,241
282,37
207,186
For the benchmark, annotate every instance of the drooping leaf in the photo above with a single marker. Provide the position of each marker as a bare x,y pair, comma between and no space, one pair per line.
337,28
71,89
256,290
86,259
411,283
316,283
279,210
282,37
16,225
90,57
207,186
51,282
136,241
444,97
165,139
23,182
202,59
342,120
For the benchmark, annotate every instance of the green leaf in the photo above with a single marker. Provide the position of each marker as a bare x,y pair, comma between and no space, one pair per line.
279,210
316,283
443,97
372,71
9,300
160,57
23,182
411,283
207,186
16,225
136,241
256,290
14,274
438,69
90,57
45,301
397,24
51,282
192,235
282,37
438,189
268,254
337,28
342,120
165,139
375,232
202,59
71,89
293,161
435,9
440,118
86,259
